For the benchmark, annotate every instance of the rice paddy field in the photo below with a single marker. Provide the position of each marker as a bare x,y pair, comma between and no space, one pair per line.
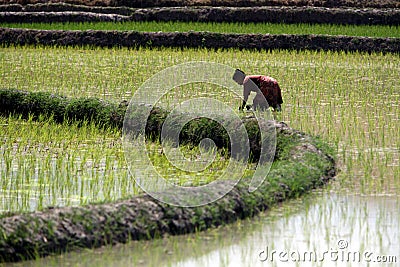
262,28
351,100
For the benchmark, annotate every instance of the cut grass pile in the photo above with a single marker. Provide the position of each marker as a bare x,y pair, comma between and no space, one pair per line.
263,28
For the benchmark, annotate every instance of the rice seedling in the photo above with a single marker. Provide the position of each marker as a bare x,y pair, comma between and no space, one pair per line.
343,97
263,28
47,164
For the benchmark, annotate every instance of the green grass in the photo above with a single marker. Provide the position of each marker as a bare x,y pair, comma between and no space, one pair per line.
349,99
264,28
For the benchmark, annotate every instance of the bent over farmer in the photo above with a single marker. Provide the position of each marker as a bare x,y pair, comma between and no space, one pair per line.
264,86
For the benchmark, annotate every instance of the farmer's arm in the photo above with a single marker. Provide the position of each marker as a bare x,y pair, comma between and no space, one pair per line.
248,77
246,93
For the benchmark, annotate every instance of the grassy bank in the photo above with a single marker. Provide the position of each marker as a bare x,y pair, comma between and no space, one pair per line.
47,169
75,159
81,111
264,28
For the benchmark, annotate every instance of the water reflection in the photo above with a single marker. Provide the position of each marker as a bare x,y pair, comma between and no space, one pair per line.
323,228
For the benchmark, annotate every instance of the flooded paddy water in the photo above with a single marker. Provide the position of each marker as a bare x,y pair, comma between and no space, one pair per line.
350,100
322,229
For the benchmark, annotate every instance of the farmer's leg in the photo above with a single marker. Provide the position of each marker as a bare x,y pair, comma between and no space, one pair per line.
260,103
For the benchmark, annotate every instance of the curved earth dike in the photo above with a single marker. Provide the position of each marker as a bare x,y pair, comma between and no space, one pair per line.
60,108
64,13
56,230
107,114
197,40
237,3
272,14
302,163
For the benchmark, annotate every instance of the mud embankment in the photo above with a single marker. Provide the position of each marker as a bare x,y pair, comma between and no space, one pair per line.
61,109
273,15
237,3
302,163
64,13
57,230
196,40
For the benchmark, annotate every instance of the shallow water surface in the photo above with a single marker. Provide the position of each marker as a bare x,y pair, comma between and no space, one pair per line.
322,229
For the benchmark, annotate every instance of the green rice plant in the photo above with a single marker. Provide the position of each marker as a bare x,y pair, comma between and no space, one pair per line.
184,176
68,164
50,164
224,27
349,99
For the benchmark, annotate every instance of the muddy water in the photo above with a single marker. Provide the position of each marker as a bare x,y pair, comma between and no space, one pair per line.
323,228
